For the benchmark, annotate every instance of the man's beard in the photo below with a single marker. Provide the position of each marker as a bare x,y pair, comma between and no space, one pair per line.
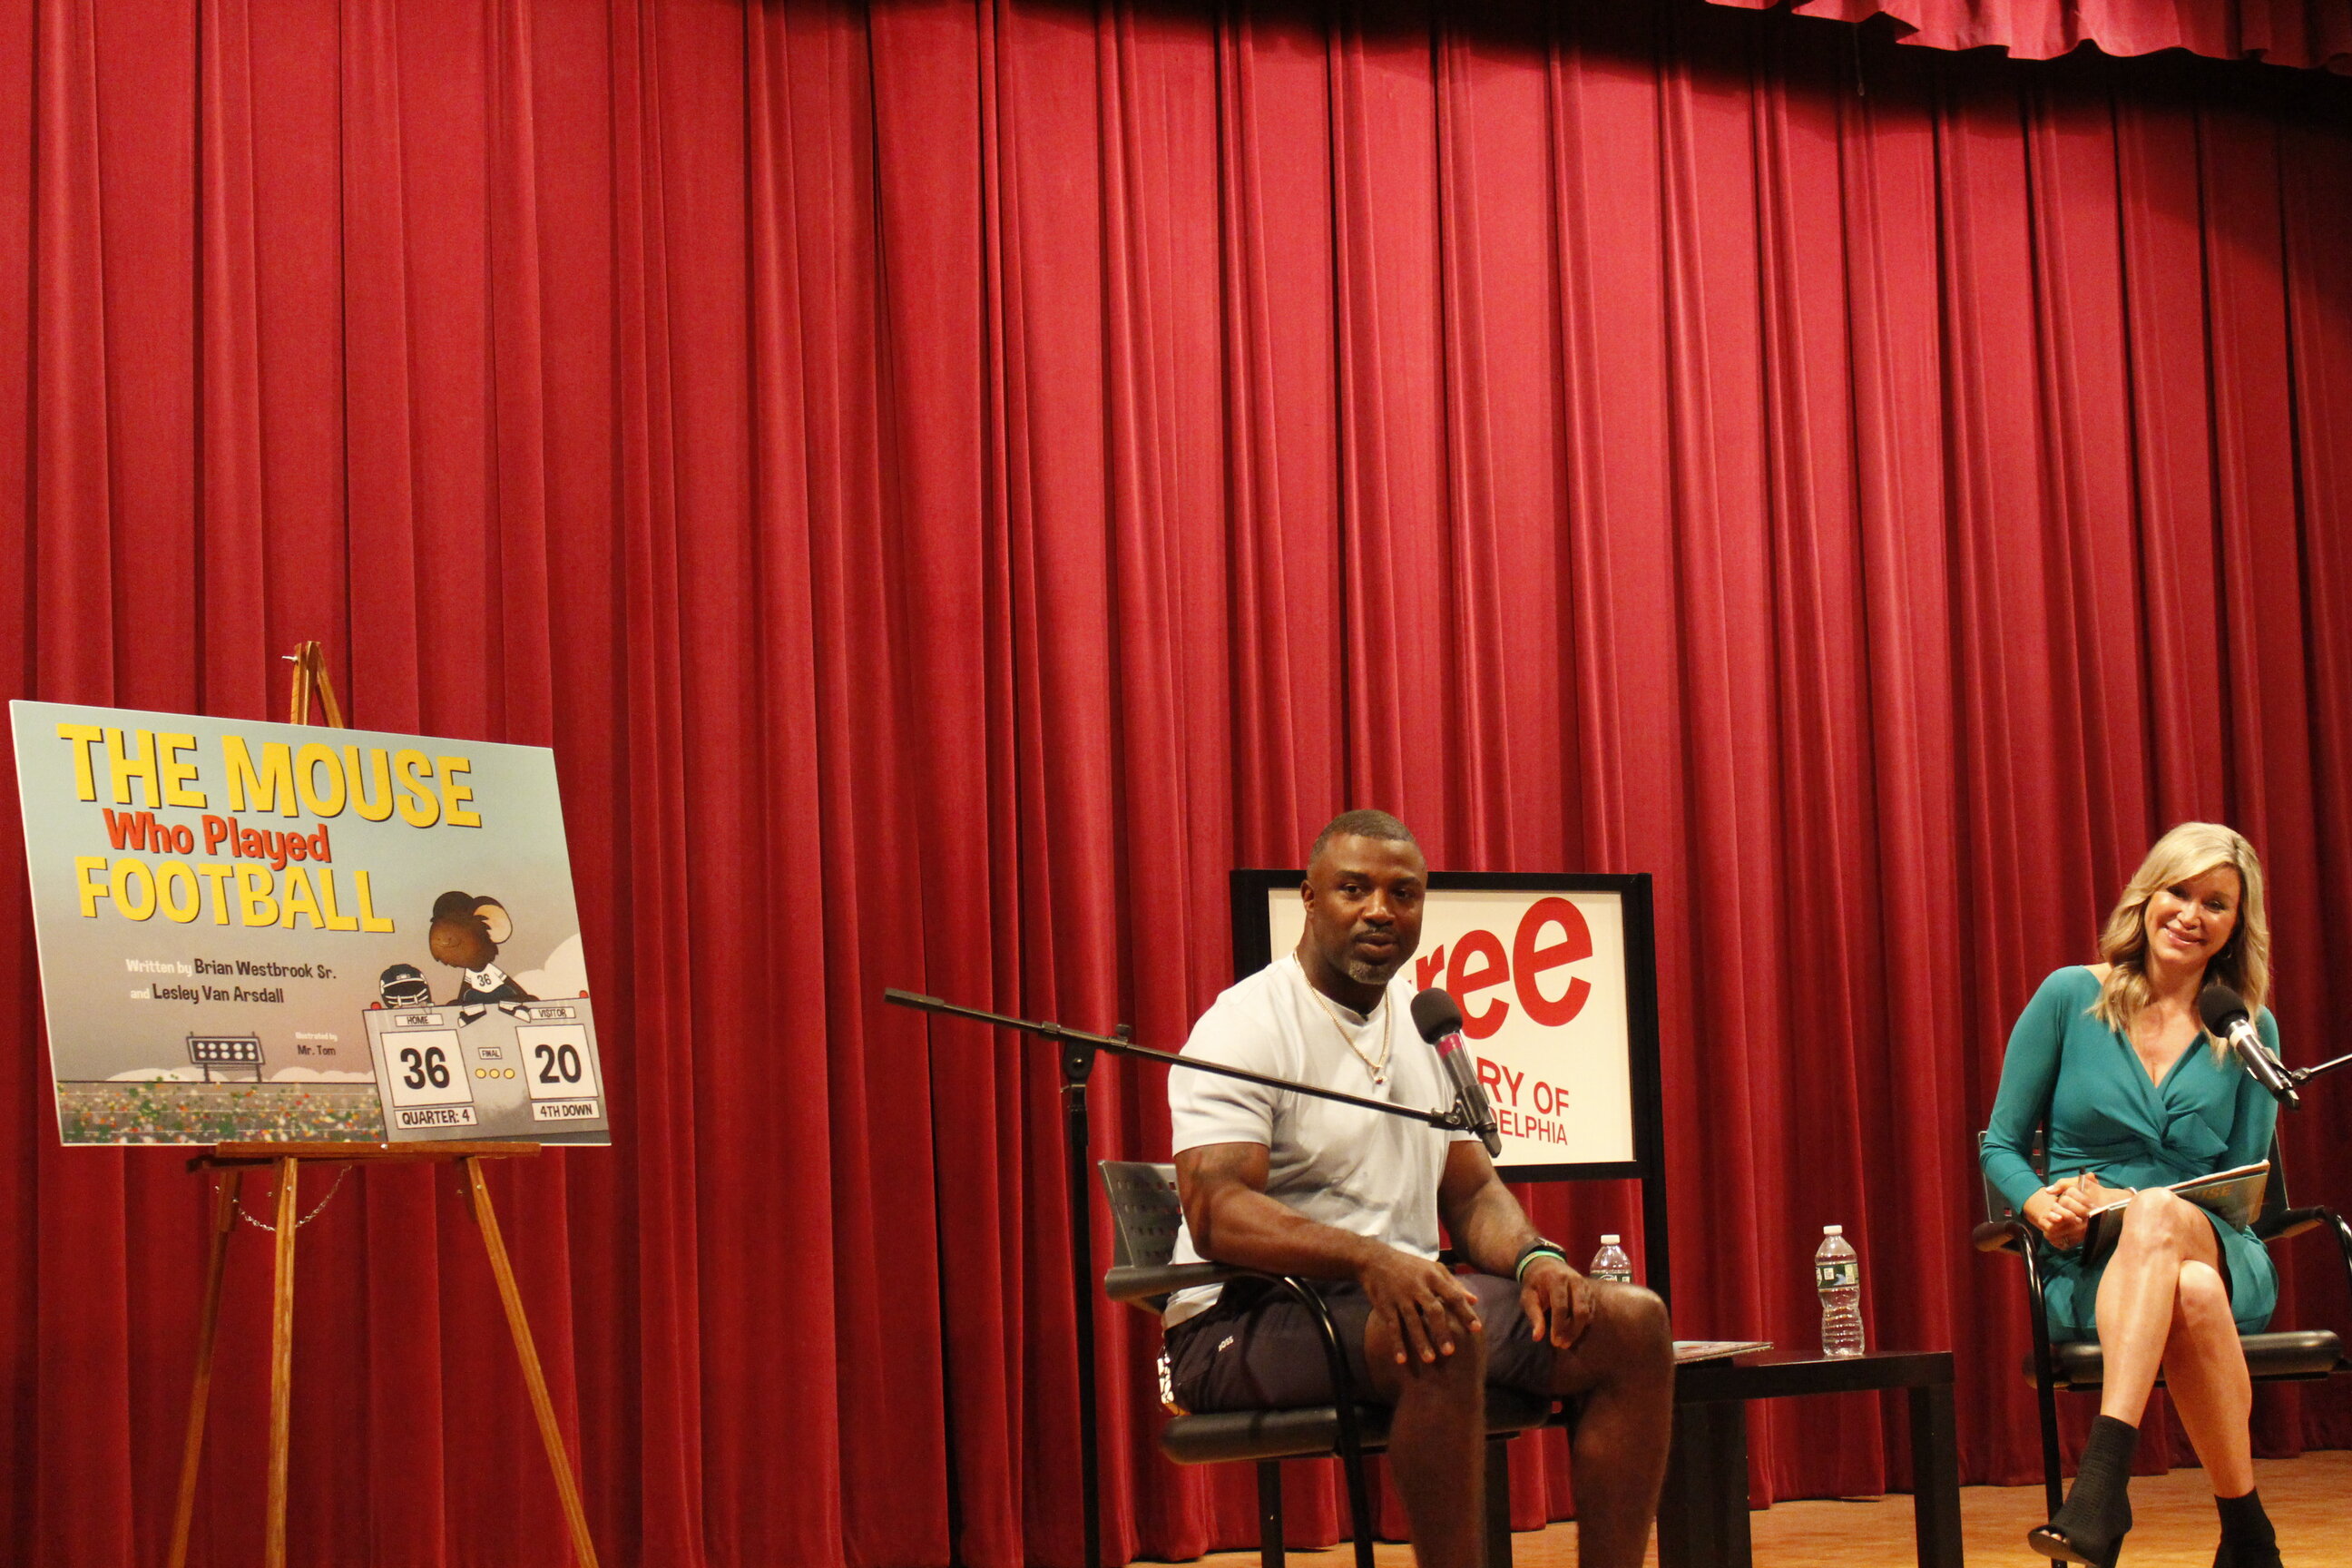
1368,973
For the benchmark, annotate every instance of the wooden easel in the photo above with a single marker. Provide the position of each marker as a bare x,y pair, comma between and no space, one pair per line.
310,676
233,1160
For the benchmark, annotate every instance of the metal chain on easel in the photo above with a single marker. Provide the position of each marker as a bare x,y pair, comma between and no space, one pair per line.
319,1207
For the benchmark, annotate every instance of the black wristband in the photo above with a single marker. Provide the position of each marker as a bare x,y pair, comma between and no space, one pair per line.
1537,1248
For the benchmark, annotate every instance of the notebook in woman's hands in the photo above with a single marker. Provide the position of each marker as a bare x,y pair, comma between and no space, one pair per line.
2236,1195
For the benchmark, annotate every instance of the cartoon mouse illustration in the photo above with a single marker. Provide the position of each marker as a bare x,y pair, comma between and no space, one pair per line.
466,932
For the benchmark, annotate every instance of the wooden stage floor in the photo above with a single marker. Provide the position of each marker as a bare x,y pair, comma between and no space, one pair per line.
2309,1499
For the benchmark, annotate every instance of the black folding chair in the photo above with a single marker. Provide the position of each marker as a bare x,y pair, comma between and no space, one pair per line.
2292,1355
1149,1215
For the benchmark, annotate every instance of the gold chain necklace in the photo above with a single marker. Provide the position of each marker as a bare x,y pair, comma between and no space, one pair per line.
1379,1069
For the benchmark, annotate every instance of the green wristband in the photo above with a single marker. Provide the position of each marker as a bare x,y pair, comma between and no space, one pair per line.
1534,1251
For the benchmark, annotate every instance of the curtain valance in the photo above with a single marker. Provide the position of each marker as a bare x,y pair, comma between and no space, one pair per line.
2281,32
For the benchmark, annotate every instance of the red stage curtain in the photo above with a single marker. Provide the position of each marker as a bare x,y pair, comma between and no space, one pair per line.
952,481
2281,32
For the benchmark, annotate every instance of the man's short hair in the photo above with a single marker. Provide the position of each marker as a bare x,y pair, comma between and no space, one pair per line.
1361,824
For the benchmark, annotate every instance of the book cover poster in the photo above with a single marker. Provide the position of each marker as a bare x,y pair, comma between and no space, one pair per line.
278,933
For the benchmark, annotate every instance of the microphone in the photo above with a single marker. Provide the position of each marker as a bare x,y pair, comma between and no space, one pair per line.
1439,1018
2224,1012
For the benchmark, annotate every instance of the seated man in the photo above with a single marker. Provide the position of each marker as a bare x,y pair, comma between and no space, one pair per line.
1296,1185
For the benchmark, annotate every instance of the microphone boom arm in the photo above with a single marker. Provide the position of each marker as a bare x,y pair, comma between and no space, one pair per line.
1455,1120
2298,1077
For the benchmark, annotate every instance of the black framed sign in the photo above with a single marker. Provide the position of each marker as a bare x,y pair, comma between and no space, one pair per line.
1557,977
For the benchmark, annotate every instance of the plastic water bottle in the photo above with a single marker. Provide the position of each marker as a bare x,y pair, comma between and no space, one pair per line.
1610,1263
1837,1272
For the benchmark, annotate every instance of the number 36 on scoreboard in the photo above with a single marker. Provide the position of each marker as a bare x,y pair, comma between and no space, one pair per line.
524,1070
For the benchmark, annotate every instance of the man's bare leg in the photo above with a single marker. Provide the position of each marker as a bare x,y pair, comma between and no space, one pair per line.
1437,1443
1623,1371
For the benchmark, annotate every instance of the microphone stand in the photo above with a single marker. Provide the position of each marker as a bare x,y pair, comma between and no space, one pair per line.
2298,1076
1078,1049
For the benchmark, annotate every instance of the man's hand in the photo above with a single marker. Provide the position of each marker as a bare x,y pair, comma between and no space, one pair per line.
1430,1306
2060,1210
1556,1297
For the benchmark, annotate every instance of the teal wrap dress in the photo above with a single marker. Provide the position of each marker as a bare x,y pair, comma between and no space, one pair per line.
2106,1116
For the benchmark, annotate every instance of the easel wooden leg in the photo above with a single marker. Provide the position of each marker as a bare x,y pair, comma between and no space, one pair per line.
559,1459
192,1453
281,1366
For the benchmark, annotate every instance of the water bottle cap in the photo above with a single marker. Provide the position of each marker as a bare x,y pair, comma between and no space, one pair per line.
1832,1230
1608,1241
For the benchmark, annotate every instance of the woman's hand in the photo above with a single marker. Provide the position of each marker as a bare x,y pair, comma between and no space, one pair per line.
2060,1210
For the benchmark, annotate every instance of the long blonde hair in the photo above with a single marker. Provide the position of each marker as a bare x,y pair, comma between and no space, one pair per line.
2243,964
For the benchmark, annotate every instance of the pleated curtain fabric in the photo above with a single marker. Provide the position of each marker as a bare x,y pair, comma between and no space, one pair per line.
953,480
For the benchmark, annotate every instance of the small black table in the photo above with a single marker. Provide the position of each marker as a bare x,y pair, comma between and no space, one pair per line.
1703,1517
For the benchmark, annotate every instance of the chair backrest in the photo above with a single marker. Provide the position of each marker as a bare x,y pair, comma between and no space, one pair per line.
1145,1213
1995,1205
2274,1199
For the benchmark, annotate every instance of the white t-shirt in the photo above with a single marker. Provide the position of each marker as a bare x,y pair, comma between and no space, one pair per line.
1356,1170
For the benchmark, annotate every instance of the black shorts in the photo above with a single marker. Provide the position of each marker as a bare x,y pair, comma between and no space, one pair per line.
1259,1348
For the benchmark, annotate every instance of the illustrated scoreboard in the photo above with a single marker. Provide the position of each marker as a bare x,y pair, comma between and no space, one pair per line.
515,1072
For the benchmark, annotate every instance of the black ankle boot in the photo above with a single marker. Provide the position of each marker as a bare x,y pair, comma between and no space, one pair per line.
2247,1540
2089,1527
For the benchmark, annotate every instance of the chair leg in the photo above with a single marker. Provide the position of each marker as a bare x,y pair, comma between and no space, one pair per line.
2053,1489
1269,1513
1499,1503
1359,1503
2052,1482
2045,1376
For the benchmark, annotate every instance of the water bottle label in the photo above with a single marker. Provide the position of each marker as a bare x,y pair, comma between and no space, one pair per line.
1844,1275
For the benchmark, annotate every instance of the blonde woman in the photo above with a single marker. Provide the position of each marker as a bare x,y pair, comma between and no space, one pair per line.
2135,1093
